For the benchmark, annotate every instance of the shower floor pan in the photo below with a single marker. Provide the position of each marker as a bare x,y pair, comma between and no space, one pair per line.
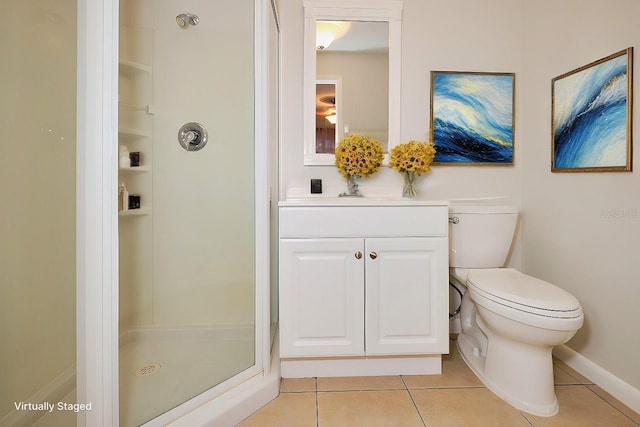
160,368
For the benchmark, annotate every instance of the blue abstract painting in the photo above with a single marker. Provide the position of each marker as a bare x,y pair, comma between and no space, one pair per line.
472,117
590,116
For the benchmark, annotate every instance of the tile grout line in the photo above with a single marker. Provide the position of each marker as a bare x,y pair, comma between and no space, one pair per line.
524,415
610,404
317,406
424,424
579,382
461,387
363,390
570,374
405,387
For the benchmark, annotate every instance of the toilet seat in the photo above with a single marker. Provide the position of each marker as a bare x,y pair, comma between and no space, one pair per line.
530,300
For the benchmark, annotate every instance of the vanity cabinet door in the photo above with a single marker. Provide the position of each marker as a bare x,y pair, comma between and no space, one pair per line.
406,295
321,297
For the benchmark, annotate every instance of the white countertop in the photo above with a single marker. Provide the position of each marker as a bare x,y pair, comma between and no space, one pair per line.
298,196
359,201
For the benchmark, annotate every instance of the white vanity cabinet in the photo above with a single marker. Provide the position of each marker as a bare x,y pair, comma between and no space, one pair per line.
321,297
362,287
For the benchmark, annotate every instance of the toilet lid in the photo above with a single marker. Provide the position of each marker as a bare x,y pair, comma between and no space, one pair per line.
515,289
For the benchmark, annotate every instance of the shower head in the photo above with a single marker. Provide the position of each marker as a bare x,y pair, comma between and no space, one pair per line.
186,19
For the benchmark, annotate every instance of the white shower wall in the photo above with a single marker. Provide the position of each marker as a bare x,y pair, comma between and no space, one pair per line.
198,267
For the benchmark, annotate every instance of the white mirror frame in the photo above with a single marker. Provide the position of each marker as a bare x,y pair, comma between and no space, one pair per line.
349,10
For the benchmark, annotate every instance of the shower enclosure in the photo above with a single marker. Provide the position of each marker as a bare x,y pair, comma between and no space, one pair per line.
160,313
37,188
193,277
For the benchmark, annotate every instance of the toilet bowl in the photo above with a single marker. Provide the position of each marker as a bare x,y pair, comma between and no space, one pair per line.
510,321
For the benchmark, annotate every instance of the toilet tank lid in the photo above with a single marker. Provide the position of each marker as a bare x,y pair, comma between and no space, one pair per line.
486,209
517,288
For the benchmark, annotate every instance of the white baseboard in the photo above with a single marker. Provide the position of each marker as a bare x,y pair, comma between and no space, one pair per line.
52,393
361,366
604,379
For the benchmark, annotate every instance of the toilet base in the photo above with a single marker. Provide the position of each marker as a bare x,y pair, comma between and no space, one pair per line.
526,384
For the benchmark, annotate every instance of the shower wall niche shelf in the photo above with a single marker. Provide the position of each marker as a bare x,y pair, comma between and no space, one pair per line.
127,65
135,169
135,212
135,132
135,117
133,107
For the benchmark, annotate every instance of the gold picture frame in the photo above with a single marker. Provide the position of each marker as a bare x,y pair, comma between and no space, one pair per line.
591,116
473,118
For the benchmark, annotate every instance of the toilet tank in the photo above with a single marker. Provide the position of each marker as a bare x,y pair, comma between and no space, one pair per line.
480,236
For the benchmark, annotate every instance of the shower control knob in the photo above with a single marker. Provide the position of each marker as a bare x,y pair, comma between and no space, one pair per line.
192,136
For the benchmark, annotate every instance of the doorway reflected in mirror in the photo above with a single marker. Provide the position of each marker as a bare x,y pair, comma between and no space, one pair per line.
326,116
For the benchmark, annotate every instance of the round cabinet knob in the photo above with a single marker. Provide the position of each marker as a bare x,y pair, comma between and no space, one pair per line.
358,255
373,255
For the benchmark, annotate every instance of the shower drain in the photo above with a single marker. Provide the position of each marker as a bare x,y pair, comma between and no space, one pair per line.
147,370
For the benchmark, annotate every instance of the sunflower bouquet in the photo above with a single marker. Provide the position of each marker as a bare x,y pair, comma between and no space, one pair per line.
412,159
357,156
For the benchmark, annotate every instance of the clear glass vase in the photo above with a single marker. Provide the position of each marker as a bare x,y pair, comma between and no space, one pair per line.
352,187
409,189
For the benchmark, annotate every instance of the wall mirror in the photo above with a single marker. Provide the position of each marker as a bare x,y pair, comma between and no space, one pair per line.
351,74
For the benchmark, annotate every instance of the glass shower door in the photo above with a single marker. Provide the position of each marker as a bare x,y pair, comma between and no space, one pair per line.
187,286
37,189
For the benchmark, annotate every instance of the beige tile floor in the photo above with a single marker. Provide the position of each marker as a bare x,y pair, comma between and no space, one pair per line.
456,398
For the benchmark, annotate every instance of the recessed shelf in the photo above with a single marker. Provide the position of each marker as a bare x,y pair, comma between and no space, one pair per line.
146,108
134,132
135,169
126,64
135,212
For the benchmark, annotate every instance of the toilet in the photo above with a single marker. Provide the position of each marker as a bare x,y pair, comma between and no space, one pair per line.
510,321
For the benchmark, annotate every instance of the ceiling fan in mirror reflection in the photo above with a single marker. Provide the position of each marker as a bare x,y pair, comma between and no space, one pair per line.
328,31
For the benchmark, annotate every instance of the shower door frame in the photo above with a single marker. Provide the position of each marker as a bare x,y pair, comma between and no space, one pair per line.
97,220
96,212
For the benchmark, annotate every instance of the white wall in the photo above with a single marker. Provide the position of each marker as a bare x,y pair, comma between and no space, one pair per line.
568,236
37,189
436,35
565,238
203,234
